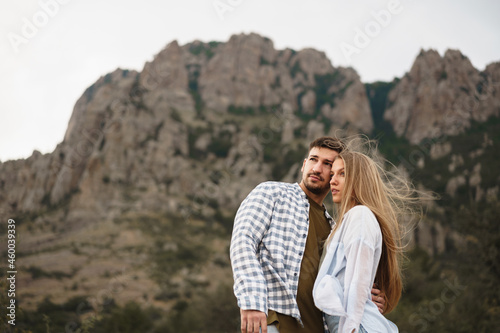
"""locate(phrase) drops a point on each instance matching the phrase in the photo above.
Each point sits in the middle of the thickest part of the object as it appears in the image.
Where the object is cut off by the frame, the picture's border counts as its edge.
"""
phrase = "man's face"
(316, 170)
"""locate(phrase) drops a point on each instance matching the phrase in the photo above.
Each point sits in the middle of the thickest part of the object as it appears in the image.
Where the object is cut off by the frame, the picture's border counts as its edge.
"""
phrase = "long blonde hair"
(366, 183)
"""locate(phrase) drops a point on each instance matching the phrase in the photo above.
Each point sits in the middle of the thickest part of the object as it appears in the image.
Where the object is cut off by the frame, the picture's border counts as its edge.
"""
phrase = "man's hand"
(252, 321)
(378, 298)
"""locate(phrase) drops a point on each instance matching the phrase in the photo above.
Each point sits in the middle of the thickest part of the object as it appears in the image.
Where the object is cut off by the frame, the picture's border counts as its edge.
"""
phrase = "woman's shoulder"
(361, 211)
(362, 222)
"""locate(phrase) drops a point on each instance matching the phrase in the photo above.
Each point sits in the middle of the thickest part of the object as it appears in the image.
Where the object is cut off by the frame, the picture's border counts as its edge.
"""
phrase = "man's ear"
(303, 165)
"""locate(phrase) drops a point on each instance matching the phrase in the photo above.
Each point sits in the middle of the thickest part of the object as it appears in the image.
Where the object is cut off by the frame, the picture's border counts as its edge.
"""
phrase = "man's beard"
(315, 188)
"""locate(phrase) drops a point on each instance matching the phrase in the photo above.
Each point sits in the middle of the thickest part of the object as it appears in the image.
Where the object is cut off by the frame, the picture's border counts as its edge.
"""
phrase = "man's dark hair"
(329, 143)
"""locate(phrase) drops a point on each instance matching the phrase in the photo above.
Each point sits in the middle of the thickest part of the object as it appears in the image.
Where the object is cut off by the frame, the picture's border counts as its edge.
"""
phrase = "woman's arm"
(357, 283)
(361, 239)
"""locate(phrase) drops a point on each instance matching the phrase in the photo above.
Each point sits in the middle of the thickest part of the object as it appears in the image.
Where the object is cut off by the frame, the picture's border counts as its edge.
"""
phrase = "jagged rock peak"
(440, 96)
(247, 72)
(167, 70)
(104, 88)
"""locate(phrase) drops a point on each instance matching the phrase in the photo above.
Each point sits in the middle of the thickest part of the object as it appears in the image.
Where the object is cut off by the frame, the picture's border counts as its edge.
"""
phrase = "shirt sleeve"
(358, 284)
(251, 222)
(360, 256)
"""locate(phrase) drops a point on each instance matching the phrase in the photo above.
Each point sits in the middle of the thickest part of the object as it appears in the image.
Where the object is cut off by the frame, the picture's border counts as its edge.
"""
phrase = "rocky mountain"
(142, 128)
(136, 203)
(442, 95)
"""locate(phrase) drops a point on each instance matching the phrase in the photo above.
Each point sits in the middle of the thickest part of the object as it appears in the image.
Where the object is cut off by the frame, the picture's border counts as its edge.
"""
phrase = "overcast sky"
(52, 50)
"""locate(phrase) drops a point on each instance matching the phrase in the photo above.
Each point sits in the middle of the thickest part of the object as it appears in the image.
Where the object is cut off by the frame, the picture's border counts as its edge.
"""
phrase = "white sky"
(44, 71)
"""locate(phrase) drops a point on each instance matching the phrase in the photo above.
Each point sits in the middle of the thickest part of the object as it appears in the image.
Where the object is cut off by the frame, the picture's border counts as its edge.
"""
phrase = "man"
(276, 246)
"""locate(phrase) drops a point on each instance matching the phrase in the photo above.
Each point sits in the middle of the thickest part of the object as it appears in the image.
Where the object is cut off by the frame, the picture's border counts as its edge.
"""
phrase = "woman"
(363, 248)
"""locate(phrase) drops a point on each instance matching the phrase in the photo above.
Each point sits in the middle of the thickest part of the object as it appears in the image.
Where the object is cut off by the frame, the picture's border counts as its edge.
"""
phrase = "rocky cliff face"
(442, 95)
(156, 159)
(135, 128)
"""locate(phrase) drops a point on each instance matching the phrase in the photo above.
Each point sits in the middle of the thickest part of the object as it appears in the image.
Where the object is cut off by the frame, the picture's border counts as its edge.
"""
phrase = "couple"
(277, 244)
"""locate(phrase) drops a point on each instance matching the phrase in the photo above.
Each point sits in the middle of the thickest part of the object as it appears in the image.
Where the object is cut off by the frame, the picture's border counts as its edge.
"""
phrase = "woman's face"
(337, 180)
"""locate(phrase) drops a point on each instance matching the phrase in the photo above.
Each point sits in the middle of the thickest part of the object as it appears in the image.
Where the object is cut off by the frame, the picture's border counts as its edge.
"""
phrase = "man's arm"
(250, 286)
(378, 297)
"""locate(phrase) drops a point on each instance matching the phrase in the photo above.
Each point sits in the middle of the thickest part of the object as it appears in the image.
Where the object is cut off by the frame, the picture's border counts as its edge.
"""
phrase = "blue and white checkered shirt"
(267, 246)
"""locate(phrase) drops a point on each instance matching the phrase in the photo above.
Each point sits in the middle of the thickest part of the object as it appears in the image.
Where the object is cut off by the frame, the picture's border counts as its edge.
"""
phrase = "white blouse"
(346, 276)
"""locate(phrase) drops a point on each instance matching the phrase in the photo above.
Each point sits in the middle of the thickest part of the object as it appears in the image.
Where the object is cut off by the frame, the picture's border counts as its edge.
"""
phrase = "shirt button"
(300, 253)
(295, 274)
(304, 235)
